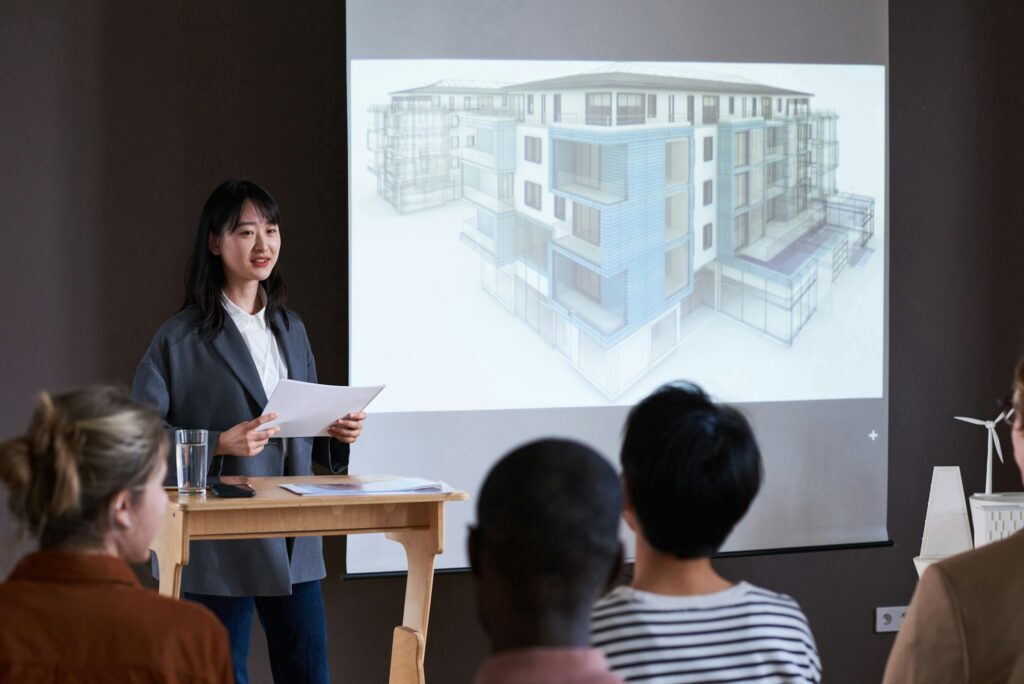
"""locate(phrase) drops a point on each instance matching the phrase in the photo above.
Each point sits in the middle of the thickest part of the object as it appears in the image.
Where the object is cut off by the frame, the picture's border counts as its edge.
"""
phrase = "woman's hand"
(244, 439)
(348, 428)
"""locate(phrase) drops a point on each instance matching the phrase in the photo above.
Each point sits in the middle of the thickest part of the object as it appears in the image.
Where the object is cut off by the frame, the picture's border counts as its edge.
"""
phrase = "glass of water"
(190, 455)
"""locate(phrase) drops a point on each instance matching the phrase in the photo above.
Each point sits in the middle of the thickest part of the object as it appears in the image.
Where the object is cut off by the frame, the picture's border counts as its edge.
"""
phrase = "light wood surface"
(415, 520)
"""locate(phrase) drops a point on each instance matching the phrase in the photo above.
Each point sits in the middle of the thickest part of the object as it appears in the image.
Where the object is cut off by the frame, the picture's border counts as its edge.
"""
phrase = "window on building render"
(586, 223)
(778, 104)
(671, 108)
(677, 215)
(531, 243)
(677, 268)
(532, 150)
(454, 163)
(629, 109)
(742, 190)
(586, 282)
(709, 193)
(689, 109)
(470, 141)
(742, 148)
(599, 109)
(504, 101)
(577, 162)
(741, 231)
(753, 104)
(454, 141)
(677, 161)
(709, 148)
(708, 241)
(652, 106)
(732, 104)
(531, 194)
(466, 101)
(766, 107)
(556, 114)
(559, 208)
(710, 103)
(451, 102)
(529, 104)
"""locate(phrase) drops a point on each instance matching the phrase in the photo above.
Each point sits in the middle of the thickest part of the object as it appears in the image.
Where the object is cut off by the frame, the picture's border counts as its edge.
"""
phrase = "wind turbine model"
(993, 438)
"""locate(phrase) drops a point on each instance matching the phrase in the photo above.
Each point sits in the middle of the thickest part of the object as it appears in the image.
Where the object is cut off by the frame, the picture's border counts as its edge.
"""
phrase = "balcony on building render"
(780, 235)
(579, 247)
(478, 241)
(583, 307)
(596, 300)
(589, 171)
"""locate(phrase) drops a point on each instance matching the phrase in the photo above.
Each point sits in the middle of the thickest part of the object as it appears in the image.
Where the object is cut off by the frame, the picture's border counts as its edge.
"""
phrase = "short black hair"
(691, 469)
(548, 514)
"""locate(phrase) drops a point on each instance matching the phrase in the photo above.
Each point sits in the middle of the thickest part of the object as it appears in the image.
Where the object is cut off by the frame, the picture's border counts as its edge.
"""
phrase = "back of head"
(691, 469)
(81, 448)
(548, 516)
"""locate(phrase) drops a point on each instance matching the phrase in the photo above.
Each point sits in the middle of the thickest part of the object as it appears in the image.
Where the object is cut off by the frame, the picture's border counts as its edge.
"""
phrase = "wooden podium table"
(415, 520)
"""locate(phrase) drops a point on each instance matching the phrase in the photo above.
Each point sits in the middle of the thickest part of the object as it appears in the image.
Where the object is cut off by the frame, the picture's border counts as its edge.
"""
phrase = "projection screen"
(555, 207)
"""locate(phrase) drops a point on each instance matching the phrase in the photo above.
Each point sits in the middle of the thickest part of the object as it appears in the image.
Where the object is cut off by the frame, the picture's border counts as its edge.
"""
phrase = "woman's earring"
(125, 523)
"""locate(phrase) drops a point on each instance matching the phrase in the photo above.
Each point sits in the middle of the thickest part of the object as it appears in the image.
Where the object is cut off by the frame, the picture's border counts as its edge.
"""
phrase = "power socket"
(889, 618)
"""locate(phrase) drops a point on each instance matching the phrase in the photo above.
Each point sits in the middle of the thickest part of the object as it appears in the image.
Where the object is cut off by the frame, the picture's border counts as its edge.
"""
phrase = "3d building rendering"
(614, 210)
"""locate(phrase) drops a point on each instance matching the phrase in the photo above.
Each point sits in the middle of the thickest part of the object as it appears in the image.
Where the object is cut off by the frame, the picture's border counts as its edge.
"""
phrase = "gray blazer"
(215, 385)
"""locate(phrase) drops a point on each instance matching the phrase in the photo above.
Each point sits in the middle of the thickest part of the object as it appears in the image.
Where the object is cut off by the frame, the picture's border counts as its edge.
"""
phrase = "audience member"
(86, 480)
(691, 469)
(965, 622)
(545, 547)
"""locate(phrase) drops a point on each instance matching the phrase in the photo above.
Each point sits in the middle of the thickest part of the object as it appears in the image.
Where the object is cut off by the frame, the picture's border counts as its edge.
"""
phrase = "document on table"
(306, 409)
(390, 485)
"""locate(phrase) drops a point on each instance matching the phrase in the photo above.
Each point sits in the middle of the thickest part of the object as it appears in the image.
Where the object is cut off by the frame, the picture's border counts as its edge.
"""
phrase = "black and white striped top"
(742, 634)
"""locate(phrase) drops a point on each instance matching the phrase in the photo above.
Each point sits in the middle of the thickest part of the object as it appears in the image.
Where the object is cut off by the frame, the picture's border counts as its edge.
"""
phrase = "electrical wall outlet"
(889, 618)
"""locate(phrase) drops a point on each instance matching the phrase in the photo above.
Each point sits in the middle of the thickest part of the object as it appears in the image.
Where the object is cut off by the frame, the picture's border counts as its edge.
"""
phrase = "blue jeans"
(295, 627)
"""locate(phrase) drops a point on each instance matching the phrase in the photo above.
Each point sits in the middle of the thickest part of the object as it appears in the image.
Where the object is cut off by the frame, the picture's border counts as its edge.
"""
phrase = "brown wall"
(118, 117)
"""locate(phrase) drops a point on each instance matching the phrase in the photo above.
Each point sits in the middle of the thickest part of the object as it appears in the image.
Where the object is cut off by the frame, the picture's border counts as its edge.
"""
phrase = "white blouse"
(260, 340)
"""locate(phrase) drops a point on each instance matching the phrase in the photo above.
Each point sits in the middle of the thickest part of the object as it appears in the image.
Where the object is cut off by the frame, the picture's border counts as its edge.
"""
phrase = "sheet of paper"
(404, 485)
(305, 409)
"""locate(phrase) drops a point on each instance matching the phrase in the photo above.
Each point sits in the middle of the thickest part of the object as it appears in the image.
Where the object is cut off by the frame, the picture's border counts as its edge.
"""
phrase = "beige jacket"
(966, 620)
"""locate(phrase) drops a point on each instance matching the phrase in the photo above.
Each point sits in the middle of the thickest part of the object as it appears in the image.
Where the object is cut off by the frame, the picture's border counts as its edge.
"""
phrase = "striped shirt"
(741, 634)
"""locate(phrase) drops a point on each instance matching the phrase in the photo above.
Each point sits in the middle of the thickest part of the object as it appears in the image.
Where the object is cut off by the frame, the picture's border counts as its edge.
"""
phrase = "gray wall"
(119, 117)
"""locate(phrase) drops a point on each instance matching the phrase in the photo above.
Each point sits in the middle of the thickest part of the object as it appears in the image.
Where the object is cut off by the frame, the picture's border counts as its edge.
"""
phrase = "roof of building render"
(452, 86)
(620, 79)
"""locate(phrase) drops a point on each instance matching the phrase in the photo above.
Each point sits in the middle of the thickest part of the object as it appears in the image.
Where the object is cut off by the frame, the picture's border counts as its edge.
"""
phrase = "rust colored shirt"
(547, 666)
(68, 617)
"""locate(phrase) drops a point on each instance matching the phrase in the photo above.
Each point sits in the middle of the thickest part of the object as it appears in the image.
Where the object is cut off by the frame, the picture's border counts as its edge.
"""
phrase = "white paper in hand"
(305, 409)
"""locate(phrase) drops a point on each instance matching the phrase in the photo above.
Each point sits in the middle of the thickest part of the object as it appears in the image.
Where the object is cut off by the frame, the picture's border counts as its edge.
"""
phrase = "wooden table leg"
(171, 547)
(421, 548)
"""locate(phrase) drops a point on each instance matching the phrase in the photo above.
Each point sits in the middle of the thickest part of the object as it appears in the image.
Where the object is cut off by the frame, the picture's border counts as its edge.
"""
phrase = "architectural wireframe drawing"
(610, 207)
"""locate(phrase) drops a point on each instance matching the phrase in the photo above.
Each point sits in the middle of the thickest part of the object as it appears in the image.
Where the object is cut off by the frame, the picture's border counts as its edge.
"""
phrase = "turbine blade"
(999, 449)
(973, 421)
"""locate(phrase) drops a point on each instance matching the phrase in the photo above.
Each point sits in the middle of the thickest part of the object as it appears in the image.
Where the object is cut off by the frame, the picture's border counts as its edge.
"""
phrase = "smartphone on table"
(232, 491)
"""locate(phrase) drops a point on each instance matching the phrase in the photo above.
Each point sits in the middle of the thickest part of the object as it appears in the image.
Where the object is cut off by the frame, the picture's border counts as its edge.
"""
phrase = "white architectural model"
(609, 206)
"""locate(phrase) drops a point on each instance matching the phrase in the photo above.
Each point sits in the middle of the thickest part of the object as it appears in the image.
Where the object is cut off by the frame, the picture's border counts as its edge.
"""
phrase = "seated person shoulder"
(691, 469)
(86, 480)
(545, 546)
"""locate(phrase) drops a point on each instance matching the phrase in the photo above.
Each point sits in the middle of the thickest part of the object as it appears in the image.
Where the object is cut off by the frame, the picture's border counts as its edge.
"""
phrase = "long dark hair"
(204, 277)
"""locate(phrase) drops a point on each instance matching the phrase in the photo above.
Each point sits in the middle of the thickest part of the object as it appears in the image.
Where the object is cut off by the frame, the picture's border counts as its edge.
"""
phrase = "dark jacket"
(215, 385)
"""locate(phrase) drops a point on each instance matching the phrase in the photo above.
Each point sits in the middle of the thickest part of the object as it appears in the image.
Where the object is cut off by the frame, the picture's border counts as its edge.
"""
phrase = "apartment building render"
(610, 206)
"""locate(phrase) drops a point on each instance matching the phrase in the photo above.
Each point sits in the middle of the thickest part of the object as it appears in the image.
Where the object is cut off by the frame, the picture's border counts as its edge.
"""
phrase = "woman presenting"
(213, 365)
